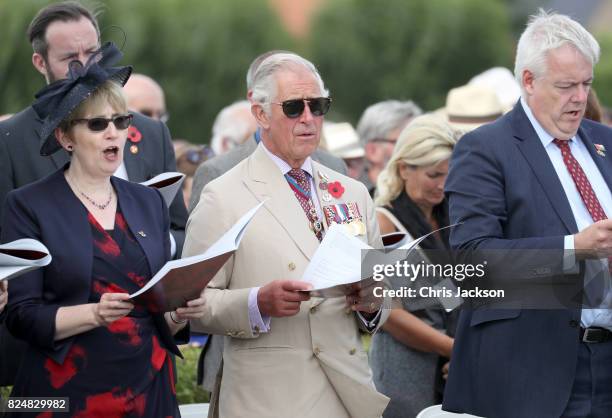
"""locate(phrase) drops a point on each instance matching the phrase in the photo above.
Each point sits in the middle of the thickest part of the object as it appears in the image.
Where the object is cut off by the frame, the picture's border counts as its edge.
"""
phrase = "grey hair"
(257, 62)
(231, 124)
(383, 117)
(548, 31)
(264, 80)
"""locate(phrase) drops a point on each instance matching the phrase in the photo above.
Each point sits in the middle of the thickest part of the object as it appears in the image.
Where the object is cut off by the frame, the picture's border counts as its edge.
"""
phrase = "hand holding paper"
(3, 294)
(282, 297)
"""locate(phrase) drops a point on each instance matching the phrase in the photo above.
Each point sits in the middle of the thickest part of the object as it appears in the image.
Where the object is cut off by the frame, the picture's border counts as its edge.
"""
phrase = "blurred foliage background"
(199, 50)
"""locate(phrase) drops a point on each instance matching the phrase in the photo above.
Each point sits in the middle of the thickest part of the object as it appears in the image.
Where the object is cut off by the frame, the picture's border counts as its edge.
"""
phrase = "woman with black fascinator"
(87, 341)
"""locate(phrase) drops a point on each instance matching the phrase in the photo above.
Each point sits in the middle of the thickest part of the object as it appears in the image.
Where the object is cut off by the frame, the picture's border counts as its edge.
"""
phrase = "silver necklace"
(100, 206)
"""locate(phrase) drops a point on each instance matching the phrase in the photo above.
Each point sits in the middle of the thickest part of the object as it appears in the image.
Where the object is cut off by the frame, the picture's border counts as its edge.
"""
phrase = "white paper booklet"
(179, 281)
(21, 256)
(168, 184)
(336, 264)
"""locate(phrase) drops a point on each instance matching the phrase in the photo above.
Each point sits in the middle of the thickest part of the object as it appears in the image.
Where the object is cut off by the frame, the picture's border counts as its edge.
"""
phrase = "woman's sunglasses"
(100, 124)
(318, 106)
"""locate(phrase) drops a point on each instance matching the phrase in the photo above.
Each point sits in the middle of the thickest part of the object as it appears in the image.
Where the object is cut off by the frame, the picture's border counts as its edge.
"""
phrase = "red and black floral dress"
(119, 370)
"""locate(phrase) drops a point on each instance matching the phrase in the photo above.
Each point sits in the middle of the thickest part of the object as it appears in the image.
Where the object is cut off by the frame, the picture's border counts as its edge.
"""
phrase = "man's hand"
(594, 241)
(3, 294)
(281, 297)
(445, 370)
(362, 298)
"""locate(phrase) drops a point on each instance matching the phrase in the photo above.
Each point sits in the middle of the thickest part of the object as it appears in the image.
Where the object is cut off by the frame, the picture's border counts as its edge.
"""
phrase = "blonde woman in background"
(407, 356)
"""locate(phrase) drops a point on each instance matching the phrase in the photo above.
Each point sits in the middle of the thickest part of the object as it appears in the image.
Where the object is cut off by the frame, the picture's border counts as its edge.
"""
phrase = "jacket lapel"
(531, 147)
(134, 163)
(603, 163)
(137, 223)
(267, 183)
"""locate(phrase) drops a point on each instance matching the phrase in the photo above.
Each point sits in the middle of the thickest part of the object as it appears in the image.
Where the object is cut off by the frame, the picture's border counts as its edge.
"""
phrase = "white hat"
(342, 140)
(502, 81)
(469, 106)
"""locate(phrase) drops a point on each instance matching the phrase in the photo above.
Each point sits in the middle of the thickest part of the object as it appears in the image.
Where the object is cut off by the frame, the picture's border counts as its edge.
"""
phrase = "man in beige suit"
(285, 354)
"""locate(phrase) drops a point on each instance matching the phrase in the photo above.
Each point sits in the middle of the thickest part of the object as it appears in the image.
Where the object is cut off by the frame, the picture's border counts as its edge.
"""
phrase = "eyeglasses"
(195, 156)
(162, 116)
(100, 124)
(318, 106)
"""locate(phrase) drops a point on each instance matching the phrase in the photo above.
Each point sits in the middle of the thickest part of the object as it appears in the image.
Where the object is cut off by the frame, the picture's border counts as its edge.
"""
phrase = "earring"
(69, 147)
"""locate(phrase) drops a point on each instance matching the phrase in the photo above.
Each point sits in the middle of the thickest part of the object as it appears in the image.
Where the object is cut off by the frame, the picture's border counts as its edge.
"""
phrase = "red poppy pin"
(335, 189)
(134, 134)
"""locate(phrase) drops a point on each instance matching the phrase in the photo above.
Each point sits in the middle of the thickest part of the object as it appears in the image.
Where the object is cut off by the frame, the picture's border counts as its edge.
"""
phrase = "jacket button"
(291, 266)
(352, 351)
(573, 323)
(313, 309)
(317, 351)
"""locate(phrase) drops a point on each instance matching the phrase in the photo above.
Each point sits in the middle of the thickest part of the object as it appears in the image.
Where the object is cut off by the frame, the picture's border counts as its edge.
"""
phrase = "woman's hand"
(3, 294)
(193, 310)
(112, 306)
(178, 318)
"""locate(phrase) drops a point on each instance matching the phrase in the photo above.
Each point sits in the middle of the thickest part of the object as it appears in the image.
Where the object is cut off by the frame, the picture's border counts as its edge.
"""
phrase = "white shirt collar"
(282, 164)
(544, 136)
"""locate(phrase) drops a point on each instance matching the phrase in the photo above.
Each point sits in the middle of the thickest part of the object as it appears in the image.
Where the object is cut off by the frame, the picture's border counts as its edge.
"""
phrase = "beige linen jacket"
(308, 365)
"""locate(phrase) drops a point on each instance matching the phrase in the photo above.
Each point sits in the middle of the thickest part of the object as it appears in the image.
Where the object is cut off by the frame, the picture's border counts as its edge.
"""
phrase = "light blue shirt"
(593, 268)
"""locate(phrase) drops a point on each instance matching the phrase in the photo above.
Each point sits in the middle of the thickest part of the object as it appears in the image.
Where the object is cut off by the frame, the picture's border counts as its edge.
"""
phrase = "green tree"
(416, 49)
(198, 50)
(603, 70)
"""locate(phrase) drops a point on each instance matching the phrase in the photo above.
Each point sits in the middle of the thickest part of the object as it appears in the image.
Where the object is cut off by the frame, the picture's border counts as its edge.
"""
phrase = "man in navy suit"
(538, 179)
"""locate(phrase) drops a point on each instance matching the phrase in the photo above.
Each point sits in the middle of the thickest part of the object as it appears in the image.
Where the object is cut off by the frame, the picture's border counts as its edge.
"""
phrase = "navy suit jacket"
(48, 211)
(503, 187)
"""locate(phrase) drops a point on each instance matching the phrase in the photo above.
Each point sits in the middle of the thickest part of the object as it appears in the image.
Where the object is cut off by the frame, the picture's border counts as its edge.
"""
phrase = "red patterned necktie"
(300, 184)
(583, 185)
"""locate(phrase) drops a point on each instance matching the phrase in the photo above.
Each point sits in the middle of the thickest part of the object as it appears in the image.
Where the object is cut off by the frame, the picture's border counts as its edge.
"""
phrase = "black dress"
(119, 370)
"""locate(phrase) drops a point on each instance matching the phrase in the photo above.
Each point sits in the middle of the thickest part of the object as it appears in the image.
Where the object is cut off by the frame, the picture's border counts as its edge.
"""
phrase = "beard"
(51, 76)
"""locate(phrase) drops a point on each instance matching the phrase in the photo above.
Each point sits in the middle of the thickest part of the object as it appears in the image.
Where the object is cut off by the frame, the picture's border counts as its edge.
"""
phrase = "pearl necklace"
(100, 206)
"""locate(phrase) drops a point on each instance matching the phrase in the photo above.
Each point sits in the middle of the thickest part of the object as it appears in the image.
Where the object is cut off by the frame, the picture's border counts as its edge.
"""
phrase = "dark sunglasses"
(318, 106)
(100, 124)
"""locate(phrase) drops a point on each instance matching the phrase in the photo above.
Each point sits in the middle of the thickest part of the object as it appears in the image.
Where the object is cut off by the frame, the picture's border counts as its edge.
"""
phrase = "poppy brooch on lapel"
(333, 189)
(134, 136)
(600, 149)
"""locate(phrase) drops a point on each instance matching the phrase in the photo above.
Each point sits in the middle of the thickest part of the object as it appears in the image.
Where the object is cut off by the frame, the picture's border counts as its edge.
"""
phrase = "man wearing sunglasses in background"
(378, 130)
(60, 33)
(286, 354)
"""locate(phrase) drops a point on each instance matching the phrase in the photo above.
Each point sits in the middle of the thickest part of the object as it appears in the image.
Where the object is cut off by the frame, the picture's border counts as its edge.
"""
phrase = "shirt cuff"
(370, 325)
(258, 323)
(569, 256)
(172, 246)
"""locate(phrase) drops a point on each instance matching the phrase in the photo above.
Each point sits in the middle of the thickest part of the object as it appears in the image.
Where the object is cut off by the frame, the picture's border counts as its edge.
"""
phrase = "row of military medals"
(316, 225)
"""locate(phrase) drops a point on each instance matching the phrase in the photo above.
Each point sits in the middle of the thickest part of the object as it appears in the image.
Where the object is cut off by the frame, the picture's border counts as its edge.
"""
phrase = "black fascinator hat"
(55, 102)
